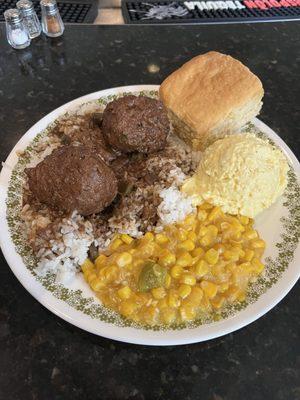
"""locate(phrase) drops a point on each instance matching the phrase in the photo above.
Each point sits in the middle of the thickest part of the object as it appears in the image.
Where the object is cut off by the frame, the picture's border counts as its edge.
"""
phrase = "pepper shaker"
(30, 18)
(51, 20)
(16, 33)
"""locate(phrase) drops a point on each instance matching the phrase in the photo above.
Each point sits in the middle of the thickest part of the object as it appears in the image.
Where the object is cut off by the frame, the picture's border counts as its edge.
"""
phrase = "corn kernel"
(230, 255)
(167, 259)
(198, 252)
(163, 303)
(245, 266)
(223, 287)
(258, 265)
(87, 274)
(214, 214)
(188, 245)
(147, 248)
(192, 236)
(236, 236)
(115, 244)
(149, 236)
(168, 281)
(250, 234)
(202, 215)
(176, 271)
(128, 307)
(91, 276)
(161, 238)
(188, 279)
(195, 296)
(189, 220)
(237, 227)
(217, 302)
(220, 248)
(181, 234)
(138, 263)
(184, 290)
(87, 265)
(97, 284)
(173, 299)
(203, 231)
(158, 293)
(204, 304)
(111, 273)
(185, 259)
(244, 220)
(231, 267)
(232, 293)
(217, 270)
(241, 296)
(187, 313)
(209, 288)
(249, 254)
(225, 226)
(258, 244)
(124, 293)
(150, 314)
(195, 260)
(206, 240)
(100, 261)
(168, 315)
(124, 259)
(126, 238)
(201, 268)
(212, 230)
(241, 253)
(238, 250)
(211, 256)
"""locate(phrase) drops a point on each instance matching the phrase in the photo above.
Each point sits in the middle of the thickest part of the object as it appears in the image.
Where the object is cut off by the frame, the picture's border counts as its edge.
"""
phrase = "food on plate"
(86, 131)
(210, 96)
(162, 231)
(148, 196)
(73, 178)
(242, 174)
(187, 270)
(136, 123)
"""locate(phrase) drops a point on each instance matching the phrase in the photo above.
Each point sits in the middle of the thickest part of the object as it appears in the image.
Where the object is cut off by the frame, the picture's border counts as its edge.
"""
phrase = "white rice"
(66, 254)
(175, 206)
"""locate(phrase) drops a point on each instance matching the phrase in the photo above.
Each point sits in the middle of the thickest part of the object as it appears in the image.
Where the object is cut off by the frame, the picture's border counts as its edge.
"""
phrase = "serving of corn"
(191, 268)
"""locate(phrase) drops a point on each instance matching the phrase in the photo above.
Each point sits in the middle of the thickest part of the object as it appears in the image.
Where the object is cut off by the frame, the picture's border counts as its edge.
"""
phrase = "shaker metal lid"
(25, 6)
(49, 6)
(13, 16)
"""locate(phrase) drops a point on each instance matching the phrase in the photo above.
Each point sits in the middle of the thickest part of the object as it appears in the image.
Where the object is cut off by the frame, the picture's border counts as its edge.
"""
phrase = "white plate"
(268, 224)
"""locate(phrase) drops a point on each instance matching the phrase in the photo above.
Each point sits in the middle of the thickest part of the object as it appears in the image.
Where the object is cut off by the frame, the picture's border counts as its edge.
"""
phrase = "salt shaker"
(16, 33)
(30, 18)
(51, 20)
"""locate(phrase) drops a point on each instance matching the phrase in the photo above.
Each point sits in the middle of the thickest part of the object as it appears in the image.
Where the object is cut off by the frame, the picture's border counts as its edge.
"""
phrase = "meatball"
(134, 123)
(73, 178)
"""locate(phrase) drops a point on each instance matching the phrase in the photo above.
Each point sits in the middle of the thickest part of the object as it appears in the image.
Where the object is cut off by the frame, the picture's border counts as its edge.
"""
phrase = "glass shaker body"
(30, 18)
(52, 23)
(16, 33)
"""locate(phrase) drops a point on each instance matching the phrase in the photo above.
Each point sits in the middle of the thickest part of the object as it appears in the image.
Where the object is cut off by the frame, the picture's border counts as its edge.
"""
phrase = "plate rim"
(105, 329)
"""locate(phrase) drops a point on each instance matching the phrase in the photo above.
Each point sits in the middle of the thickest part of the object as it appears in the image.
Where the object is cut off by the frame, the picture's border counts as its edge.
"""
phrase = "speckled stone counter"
(43, 357)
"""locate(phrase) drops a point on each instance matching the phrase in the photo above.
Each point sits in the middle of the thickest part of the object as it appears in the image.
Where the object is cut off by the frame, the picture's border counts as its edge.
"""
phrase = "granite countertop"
(43, 357)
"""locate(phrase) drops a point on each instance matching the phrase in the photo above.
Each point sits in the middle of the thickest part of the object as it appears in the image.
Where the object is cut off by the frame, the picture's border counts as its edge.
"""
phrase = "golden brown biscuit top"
(206, 88)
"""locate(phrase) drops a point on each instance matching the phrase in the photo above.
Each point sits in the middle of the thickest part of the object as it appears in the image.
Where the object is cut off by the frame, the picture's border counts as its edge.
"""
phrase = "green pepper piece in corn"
(152, 276)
